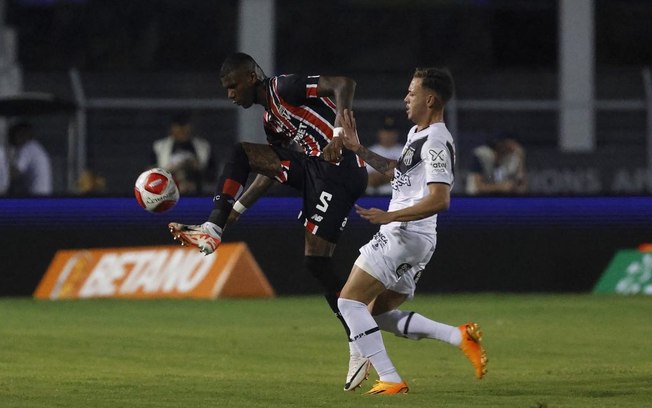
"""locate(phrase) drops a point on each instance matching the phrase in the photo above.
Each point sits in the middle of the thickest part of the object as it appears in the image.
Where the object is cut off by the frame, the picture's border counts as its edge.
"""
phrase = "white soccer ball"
(156, 190)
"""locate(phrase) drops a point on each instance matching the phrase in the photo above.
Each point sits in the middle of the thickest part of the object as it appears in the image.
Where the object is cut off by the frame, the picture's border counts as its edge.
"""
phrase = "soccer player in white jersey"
(390, 264)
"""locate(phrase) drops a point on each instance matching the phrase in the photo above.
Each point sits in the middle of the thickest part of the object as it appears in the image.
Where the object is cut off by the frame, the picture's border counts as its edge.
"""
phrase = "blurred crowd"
(25, 165)
(497, 167)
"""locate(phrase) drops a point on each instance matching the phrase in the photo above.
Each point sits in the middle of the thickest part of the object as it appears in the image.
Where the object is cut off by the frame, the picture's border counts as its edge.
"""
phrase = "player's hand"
(333, 150)
(374, 215)
(350, 134)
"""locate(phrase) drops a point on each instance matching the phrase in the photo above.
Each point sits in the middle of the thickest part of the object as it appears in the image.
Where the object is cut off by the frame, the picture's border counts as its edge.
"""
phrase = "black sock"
(230, 185)
(321, 267)
(222, 205)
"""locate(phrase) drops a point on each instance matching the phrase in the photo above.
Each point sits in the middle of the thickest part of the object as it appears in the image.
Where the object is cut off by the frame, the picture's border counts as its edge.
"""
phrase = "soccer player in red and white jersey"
(389, 266)
(301, 119)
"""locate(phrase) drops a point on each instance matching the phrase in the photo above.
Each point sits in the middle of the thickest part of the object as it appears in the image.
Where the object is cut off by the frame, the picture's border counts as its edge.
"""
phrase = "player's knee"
(318, 266)
(321, 267)
(389, 322)
(238, 152)
(317, 246)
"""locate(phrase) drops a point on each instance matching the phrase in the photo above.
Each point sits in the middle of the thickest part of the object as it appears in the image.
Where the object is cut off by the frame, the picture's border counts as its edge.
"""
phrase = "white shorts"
(396, 256)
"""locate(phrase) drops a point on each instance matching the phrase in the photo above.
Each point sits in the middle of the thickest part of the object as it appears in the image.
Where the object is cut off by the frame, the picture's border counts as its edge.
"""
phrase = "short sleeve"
(311, 86)
(439, 161)
(296, 89)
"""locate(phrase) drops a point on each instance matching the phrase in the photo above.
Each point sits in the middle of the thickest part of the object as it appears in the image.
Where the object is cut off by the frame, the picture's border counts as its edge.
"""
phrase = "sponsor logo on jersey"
(438, 160)
(317, 218)
(438, 156)
(402, 268)
(400, 180)
(301, 132)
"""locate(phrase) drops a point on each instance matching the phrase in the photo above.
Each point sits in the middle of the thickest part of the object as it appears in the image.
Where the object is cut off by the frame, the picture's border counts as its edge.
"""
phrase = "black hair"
(181, 119)
(240, 60)
(500, 137)
(439, 80)
(17, 129)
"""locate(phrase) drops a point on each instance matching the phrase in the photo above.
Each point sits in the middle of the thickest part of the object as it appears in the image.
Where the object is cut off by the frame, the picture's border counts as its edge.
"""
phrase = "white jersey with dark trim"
(428, 157)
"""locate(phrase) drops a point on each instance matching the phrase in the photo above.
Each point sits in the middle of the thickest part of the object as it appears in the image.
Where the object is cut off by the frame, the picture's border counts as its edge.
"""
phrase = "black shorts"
(329, 190)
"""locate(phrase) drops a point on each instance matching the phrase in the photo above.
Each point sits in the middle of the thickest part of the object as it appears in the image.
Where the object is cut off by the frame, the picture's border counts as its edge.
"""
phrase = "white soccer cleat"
(358, 372)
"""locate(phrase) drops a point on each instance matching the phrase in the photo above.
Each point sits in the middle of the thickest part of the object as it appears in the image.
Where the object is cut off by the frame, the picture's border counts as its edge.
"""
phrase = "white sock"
(353, 350)
(416, 327)
(367, 338)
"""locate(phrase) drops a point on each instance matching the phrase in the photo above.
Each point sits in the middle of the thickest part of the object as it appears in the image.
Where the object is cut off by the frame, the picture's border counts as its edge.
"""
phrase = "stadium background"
(130, 65)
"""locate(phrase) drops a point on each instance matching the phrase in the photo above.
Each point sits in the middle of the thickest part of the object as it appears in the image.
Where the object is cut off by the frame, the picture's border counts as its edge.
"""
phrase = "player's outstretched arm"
(256, 189)
(438, 200)
(351, 141)
(341, 89)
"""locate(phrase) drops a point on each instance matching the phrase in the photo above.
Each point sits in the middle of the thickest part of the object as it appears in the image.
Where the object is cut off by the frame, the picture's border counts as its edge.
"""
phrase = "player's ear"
(252, 77)
(433, 101)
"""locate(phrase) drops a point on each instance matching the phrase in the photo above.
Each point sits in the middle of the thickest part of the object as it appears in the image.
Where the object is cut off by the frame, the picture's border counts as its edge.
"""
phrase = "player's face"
(415, 101)
(180, 132)
(240, 86)
(419, 102)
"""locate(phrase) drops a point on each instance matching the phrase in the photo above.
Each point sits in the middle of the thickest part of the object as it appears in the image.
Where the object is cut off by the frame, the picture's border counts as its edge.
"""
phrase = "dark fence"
(485, 244)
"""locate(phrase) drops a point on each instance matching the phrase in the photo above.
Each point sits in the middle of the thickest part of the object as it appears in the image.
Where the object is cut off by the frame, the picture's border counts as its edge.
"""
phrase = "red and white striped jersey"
(295, 113)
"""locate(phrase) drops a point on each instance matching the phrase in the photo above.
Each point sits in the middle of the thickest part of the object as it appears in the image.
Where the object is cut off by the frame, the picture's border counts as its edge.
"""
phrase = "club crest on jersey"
(284, 112)
(274, 124)
(402, 268)
(408, 155)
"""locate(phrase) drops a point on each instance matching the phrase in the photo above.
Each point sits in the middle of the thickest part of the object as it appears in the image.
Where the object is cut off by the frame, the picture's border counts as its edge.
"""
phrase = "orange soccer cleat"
(472, 347)
(388, 388)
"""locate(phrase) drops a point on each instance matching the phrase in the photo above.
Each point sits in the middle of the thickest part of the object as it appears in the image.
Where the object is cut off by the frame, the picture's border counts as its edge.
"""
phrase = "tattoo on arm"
(257, 188)
(262, 159)
(378, 162)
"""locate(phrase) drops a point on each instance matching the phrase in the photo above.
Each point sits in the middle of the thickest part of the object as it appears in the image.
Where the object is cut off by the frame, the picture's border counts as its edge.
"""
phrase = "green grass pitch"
(544, 351)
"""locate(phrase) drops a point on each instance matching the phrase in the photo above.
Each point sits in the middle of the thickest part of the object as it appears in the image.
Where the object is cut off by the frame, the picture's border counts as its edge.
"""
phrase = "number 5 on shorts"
(324, 199)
